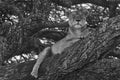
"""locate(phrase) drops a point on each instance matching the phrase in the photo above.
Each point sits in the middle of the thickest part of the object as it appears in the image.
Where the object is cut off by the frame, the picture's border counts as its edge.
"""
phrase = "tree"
(112, 5)
(87, 59)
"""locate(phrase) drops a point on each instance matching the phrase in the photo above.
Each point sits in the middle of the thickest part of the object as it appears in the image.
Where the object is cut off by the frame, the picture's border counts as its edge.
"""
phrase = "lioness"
(77, 30)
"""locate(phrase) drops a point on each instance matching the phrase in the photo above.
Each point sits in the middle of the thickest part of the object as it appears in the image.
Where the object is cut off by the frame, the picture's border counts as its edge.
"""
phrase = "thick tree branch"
(68, 3)
(111, 4)
(86, 50)
(81, 59)
(50, 25)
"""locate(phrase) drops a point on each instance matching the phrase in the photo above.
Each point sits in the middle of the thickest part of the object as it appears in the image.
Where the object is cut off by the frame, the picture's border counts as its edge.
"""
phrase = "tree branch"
(111, 4)
(86, 50)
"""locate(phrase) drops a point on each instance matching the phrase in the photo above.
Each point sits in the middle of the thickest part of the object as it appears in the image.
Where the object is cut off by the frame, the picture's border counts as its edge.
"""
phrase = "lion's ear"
(86, 12)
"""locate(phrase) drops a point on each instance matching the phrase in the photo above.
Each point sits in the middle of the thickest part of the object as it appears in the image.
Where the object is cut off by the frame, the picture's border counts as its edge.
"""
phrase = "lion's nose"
(78, 20)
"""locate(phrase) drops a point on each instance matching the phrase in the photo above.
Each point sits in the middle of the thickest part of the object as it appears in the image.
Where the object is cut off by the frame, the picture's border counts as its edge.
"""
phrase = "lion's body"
(69, 40)
(59, 47)
(77, 30)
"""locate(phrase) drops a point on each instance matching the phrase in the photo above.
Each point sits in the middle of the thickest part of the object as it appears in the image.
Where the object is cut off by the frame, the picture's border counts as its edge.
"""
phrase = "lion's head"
(77, 19)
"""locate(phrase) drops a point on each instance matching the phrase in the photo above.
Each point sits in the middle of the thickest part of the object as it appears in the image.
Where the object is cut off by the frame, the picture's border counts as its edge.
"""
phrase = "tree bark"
(68, 3)
(85, 51)
(82, 60)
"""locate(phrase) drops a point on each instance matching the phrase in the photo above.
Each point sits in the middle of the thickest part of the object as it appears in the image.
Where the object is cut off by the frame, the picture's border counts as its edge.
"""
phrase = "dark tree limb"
(111, 4)
(83, 52)
(81, 58)
(50, 25)
(80, 61)
(68, 3)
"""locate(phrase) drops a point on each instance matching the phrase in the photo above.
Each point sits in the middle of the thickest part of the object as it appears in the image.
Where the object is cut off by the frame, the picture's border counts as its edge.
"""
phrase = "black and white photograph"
(59, 39)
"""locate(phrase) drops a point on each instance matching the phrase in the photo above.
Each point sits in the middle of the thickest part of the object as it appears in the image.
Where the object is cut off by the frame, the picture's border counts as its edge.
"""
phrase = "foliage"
(30, 18)
(24, 24)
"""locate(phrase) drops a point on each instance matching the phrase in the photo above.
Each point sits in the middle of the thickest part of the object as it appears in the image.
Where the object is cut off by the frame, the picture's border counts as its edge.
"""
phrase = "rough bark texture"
(80, 61)
(86, 50)
(3, 49)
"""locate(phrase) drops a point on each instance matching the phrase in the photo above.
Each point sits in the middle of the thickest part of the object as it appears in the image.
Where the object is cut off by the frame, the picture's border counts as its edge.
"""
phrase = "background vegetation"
(28, 26)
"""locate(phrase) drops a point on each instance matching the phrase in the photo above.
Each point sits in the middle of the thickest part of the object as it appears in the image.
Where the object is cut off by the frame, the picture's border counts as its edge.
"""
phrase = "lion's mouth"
(78, 26)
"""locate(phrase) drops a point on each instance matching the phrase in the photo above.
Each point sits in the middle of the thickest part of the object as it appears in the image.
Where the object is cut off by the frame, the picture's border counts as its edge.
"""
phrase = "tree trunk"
(85, 51)
(3, 50)
(82, 60)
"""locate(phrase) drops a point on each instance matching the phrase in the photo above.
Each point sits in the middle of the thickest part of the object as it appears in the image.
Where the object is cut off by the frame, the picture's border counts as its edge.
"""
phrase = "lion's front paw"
(34, 74)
